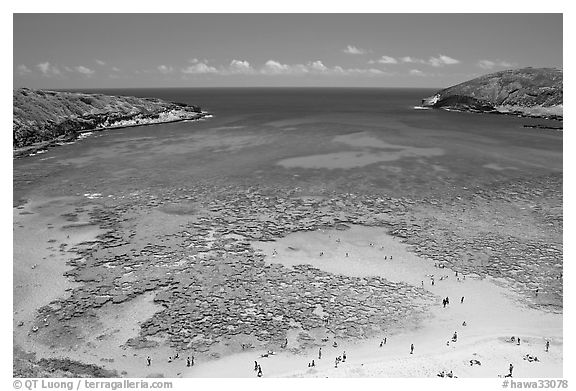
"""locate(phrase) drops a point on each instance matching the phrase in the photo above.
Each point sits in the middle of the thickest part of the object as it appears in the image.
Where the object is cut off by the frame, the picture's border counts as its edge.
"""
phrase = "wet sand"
(42, 237)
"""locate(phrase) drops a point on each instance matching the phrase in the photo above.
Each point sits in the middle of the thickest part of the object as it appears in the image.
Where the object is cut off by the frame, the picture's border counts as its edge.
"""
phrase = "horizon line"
(226, 87)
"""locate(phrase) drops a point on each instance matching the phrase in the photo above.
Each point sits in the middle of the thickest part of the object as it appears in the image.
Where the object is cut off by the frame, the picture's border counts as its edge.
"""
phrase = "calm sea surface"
(344, 139)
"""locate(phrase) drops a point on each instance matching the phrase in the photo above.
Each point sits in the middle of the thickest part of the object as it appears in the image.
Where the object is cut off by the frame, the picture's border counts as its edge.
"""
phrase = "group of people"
(515, 340)
(441, 266)
(189, 360)
(257, 369)
(340, 359)
(444, 374)
(530, 358)
(527, 357)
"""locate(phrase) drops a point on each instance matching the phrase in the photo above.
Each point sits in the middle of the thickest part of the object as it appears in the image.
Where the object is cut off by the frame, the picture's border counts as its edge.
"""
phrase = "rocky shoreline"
(527, 92)
(43, 146)
(44, 119)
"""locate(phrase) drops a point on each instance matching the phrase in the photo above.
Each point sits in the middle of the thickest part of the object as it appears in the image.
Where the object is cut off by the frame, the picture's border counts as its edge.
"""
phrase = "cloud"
(240, 66)
(385, 60)
(44, 67)
(351, 49)
(199, 67)
(409, 59)
(488, 64)
(100, 62)
(442, 60)
(48, 69)
(80, 69)
(318, 66)
(165, 69)
(83, 70)
(416, 72)
(364, 71)
(23, 70)
(116, 69)
(272, 67)
(439, 61)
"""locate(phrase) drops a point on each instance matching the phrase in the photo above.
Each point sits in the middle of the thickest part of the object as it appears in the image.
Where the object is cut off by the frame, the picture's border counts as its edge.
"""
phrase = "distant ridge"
(44, 118)
(532, 92)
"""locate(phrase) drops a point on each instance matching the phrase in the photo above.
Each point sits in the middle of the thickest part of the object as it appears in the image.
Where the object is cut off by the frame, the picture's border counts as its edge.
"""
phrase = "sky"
(241, 50)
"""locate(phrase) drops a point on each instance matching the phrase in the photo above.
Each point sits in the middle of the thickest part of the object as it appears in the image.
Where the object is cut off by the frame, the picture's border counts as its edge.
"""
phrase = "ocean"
(340, 138)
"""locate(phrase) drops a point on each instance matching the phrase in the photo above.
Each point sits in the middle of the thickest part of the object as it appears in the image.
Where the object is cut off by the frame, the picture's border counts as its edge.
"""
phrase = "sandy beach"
(493, 313)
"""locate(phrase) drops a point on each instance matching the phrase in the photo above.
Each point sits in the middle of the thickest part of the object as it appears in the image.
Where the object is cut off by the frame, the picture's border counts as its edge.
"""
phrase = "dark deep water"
(388, 146)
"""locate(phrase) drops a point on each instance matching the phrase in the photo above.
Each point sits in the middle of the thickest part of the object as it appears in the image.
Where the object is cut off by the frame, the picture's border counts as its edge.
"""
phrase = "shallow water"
(347, 140)
(375, 134)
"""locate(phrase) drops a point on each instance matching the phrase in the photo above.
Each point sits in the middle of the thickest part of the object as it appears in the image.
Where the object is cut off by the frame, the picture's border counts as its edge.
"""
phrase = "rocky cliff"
(44, 117)
(531, 92)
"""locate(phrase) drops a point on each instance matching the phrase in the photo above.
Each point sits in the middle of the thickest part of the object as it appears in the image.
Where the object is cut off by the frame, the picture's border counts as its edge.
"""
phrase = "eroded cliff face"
(526, 91)
(44, 116)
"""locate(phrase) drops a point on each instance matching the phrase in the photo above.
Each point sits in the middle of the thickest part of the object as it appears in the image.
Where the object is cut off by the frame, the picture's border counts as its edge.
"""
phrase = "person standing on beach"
(462, 300)
(411, 348)
(344, 356)
(319, 353)
(188, 363)
(313, 363)
(148, 360)
(384, 340)
(381, 342)
(518, 341)
(259, 371)
(511, 368)
(255, 365)
(547, 345)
